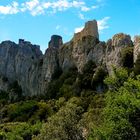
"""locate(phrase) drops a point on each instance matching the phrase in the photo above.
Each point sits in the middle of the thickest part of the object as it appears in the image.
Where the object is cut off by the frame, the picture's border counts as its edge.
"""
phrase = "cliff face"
(24, 62)
(114, 47)
(136, 47)
(16, 61)
(83, 47)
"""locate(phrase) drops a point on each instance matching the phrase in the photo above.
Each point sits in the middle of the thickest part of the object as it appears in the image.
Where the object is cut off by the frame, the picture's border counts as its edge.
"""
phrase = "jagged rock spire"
(56, 41)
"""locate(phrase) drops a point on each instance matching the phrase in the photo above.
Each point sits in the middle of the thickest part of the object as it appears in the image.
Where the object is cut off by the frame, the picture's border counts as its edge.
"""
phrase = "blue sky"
(37, 20)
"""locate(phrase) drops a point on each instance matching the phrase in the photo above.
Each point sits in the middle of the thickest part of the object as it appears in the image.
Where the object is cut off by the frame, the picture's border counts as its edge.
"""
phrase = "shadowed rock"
(56, 41)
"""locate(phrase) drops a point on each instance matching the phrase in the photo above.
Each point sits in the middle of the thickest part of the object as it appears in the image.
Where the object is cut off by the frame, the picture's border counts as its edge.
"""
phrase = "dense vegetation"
(83, 106)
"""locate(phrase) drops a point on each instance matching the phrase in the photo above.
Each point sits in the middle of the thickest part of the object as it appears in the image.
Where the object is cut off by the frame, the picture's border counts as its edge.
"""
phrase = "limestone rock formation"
(56, 41)
(77, 54)
(79, 50)
(136, 47)
(114, 47)
(50, 62)
(16, 61)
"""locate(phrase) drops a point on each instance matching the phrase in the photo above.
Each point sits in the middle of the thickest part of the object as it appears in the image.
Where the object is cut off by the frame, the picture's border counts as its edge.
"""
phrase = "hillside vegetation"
(73, 108)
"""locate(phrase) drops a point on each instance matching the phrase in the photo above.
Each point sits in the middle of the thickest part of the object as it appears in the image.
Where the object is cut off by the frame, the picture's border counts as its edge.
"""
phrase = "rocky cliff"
(25, 63)
(16, 61)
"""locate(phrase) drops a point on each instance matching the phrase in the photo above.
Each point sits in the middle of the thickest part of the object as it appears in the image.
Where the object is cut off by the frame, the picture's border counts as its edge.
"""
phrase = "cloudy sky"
(37, 20)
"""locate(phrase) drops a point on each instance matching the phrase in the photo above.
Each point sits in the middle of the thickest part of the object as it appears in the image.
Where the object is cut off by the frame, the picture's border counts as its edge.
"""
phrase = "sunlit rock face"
(82, 47)
(114, 48)
(16, 61)
(136, 47)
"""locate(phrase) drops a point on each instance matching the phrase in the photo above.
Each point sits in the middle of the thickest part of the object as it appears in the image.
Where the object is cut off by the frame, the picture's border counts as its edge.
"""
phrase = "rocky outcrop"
(114, 48)
(50, 62)
(56, 41)
(136, 47)
(77, 54)
(16, 61)
(82, 47)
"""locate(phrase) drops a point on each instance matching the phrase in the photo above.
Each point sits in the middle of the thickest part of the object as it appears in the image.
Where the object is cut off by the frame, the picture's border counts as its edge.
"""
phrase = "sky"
(37, 20)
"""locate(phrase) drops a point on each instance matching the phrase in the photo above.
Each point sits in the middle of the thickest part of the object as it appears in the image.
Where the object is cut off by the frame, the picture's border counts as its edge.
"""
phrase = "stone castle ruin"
(90, 29)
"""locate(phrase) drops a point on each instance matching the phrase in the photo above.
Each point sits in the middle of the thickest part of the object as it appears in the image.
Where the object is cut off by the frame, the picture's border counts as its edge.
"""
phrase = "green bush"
(121, 112)
(21, 111)
(19, 131)
(64, 124)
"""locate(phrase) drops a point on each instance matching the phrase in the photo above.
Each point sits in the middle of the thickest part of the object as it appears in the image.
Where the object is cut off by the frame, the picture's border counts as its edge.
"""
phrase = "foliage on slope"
(74, 110)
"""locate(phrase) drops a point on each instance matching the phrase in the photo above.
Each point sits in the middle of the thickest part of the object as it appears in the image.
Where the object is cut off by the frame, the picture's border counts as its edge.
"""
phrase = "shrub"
(121, 111)
(19, 131)
(64, 124)
(21, 111)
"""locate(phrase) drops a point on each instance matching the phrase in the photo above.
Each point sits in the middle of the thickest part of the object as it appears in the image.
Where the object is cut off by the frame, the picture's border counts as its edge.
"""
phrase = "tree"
(64, 124)
(121, 113)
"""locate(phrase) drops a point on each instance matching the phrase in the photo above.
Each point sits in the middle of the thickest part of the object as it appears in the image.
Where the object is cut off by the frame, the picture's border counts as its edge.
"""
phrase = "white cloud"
(46, 5)
(31, 4)
(37, 7)
(81, 16)
(57, 27)
(95, 6)
(85, 9)
(102, 24)
(79, 29)
(9, 9)
(34, 6)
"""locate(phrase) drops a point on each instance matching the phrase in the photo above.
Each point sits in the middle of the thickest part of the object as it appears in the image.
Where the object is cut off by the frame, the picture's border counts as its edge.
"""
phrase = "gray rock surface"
(55, 42)
(136, 47)
(114, 48)
(16, 61)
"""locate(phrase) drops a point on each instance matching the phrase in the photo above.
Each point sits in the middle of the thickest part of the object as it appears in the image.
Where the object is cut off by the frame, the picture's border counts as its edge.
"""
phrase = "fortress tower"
(90, 29)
